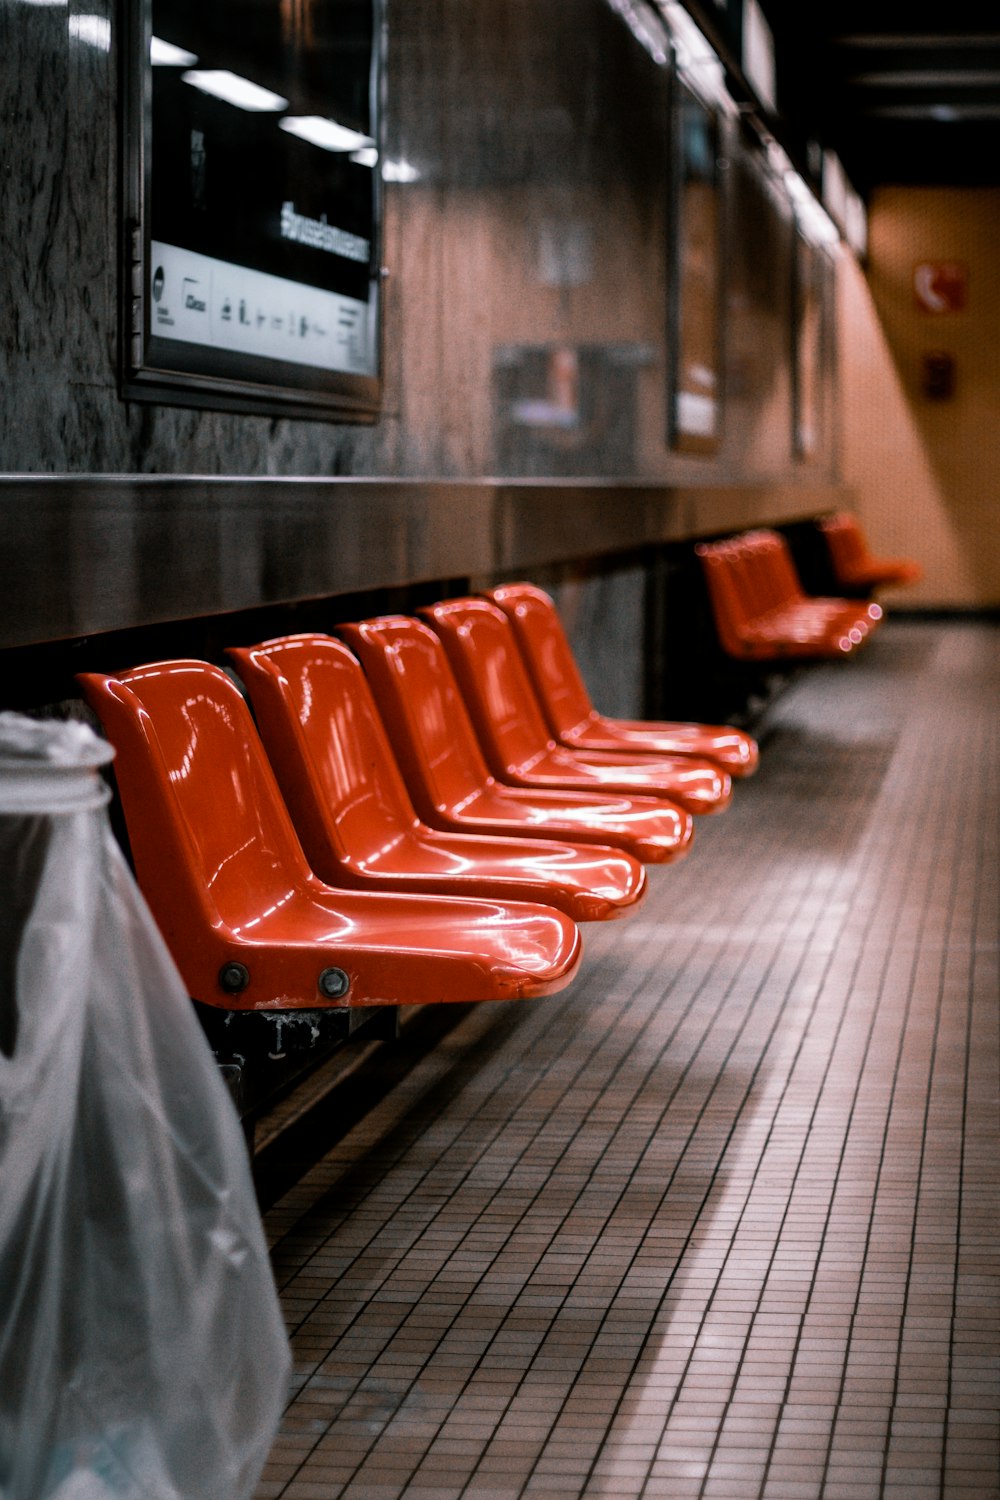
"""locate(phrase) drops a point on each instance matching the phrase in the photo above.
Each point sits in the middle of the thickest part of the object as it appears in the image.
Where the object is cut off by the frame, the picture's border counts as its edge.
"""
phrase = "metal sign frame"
(333, 370)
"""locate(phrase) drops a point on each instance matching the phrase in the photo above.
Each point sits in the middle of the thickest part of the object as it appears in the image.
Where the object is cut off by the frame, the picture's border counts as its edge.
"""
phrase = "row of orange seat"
(761, 611)
(425, 820)
(858, 570)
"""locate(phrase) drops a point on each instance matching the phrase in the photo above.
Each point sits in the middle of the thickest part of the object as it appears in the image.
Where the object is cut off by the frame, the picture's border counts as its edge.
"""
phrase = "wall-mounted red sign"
(940, 286)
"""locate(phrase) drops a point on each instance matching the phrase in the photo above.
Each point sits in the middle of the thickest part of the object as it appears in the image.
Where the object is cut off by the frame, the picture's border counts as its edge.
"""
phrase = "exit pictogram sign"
(940, 286)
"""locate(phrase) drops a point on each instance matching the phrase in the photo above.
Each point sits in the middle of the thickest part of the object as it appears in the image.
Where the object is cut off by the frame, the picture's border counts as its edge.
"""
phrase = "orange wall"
(926, 473)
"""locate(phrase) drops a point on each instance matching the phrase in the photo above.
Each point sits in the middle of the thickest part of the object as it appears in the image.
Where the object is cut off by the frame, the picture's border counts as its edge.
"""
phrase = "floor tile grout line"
(873, 1021)
(963, 814)
(610, 1423)
(849, 1339)
(500, 1127)
(663, 1049)
(905, 894)
(868, 926)
(594, 1049)
(460, 1243)
(692, 947)
(982, 833)
(804, 1034)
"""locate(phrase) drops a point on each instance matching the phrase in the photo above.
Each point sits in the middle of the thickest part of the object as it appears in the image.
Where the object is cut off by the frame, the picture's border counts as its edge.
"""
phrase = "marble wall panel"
(605, 619)
(758, 320)
(525, 307)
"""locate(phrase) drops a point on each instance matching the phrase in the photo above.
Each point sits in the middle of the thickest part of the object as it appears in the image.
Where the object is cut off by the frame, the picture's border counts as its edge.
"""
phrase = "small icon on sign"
(158, 280)
(261, 317)
(227, 310)
(303, 327)
(193, 301)
(940, 286)
(243, 311)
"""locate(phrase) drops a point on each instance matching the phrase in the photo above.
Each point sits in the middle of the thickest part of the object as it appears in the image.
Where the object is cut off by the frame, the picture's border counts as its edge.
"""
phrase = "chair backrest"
(481, 647)
(787, 573)
(547, 654)
(728, 608)
(778, 579)
(748, 569)
(200, 799)
(846, 541)
(422, 708)
(328, 748)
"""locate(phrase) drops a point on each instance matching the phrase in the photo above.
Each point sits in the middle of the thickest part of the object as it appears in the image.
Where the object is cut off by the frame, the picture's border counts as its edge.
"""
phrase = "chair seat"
(731, 750)
(592, 884)
(761, 612)
(854, 566)
(654, 831)
(249, 925)
(339, 779)
(569, 713)
(483, 654)
(694, 785)
(402, 949)
(447, 775)
(882, 572)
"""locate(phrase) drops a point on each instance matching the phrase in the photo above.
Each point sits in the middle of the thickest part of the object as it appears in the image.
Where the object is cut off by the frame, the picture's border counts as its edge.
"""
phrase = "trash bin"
(142, 1351)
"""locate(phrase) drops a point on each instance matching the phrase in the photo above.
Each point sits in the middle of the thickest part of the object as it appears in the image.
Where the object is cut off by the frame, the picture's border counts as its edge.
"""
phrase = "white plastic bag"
(142, 1352)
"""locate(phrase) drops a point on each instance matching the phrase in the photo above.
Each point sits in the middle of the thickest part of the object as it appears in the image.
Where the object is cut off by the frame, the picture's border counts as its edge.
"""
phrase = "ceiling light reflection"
(165, 55)
(233, 89)
(399, 171)
(326, 134)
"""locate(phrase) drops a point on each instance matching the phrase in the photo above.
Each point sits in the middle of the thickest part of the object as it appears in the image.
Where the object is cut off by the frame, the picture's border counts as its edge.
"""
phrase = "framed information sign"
(253, 199)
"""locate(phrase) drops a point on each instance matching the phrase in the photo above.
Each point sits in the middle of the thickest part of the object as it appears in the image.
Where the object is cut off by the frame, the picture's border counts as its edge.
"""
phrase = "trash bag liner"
(142, 1351)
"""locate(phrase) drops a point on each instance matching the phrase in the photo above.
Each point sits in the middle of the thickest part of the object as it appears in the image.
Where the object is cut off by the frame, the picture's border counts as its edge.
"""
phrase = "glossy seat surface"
(482, 649)
(769, 564)
(854, 565)
(351, 810)
(226, 879)
(447, 775)
(761, 612)
(570, 715)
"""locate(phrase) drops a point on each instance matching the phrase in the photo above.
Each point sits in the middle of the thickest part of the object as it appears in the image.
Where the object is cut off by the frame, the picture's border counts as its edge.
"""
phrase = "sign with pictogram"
(940, 286)
(252, 205)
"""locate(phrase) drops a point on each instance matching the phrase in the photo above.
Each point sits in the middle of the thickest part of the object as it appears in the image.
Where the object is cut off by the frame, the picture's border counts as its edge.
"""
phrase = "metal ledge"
(84, 554)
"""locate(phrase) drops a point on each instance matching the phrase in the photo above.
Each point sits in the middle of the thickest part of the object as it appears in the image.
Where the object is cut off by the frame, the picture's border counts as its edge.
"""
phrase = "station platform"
(721, 1219)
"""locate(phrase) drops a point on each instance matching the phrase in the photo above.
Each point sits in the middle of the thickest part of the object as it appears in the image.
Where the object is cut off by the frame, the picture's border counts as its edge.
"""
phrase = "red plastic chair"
(358, 828)
(482, 650)
(250, 926)
(760, 611)
(571, 716)
(444, 769)
(772, 560)
(855, 567)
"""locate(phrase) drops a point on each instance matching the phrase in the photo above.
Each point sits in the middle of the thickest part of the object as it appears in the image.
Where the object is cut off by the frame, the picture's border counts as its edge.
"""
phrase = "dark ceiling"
(903, 92)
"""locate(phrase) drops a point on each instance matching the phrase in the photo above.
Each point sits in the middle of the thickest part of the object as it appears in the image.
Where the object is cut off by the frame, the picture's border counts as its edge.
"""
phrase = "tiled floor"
(721, 1219)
